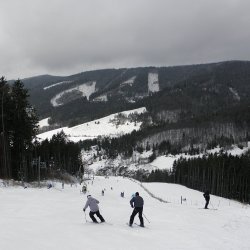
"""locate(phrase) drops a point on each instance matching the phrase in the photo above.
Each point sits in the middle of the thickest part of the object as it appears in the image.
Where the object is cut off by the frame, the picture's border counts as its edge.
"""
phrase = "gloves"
(83, 210)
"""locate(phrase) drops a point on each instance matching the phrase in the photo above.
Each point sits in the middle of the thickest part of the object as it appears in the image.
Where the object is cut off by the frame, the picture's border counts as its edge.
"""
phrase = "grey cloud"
(65, 37)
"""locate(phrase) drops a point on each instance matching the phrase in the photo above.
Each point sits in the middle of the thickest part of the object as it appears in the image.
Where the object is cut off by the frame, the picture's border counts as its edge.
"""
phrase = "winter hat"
(88, 196)
(136, 193)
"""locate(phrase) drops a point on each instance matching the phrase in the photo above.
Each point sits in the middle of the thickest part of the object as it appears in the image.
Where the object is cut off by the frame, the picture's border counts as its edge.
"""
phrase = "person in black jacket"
(207, 198)
(137, 203)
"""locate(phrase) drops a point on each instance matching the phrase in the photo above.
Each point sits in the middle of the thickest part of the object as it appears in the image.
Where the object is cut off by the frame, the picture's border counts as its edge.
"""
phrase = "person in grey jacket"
(137, 203)
(92, 203)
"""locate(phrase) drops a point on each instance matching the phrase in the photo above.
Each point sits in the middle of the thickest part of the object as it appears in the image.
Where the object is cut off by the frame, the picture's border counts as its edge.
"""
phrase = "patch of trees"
(224, 175)
(17, 129)
(58, 155)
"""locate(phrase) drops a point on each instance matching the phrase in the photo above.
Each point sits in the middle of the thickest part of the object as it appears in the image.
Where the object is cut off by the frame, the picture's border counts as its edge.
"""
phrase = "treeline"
(127, 144)
(224, 175)
(17, 130)
(111, 147)
(57, 156)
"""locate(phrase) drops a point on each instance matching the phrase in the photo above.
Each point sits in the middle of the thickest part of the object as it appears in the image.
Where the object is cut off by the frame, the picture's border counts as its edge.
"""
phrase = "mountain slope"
(186, 104)
(125, 86)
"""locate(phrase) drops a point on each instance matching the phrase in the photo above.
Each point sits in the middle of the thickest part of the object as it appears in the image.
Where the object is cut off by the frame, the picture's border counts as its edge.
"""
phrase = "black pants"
(207, 201)
(135, 211)
(91, 215)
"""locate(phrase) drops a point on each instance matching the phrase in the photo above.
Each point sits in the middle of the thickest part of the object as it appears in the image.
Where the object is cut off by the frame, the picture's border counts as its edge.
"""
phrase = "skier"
(137, 203)
(102, 192)
(84, 189)
(207, 198)
(94, 209)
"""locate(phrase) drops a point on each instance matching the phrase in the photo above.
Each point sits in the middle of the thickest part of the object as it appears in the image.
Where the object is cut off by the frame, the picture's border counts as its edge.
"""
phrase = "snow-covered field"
(43, 218)
(95, 128)
(44, 122)
(166, 161)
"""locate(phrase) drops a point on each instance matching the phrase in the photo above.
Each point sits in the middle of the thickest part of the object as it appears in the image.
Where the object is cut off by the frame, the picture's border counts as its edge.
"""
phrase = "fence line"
(151, 194)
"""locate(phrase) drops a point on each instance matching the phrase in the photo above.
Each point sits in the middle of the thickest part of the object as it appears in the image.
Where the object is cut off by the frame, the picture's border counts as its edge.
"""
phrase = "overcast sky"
(63, 37)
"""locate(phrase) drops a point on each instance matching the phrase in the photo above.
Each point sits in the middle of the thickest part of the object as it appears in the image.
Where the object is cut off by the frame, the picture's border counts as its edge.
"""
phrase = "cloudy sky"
(63, 37)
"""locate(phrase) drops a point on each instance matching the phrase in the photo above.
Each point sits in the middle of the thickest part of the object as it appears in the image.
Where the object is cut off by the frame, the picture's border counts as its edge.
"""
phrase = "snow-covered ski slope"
(100, 127)
(56, 84)
(153, 82)
(53, 219)
(86, 89)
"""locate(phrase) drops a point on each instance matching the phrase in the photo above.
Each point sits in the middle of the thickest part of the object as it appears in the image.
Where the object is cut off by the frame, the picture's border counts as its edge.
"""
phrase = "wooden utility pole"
(39, 171)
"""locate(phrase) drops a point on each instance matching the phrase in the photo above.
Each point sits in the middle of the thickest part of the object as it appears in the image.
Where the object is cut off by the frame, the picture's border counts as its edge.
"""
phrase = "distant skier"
(94, 209)
(84, 189)
(102, 192)
(207, 198)
(122, 194)
(137, 203)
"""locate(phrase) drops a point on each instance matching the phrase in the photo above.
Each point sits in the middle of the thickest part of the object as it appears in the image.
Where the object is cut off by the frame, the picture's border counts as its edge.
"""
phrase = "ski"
(208, 208)
(129, 225)
(104, 223)
(139, 225)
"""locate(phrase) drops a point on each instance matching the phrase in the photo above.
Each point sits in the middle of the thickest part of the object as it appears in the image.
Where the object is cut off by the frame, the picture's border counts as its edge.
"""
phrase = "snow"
(101, 98)
(99, 127)
(44, 122)
(86, 89)
(235, 94)
(56, 84)
(49, 219)
(129, 82)
(153, 82)
(140, 161)
(166, 161)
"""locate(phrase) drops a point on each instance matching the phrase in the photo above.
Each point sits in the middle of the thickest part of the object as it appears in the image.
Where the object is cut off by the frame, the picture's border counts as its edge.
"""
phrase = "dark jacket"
(206, 196)
(137, 201)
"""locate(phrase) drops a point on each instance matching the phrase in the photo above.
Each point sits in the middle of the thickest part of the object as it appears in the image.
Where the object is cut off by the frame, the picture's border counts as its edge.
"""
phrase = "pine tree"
(22, 130)
(4, 146)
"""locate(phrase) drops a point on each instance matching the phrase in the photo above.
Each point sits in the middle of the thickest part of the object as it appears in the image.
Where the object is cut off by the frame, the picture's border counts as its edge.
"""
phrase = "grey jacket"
(137, 200)
(92, 203)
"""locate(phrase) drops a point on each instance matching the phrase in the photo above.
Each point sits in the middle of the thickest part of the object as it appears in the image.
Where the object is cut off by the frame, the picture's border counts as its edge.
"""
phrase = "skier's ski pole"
(85, 217)
(146, 217)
